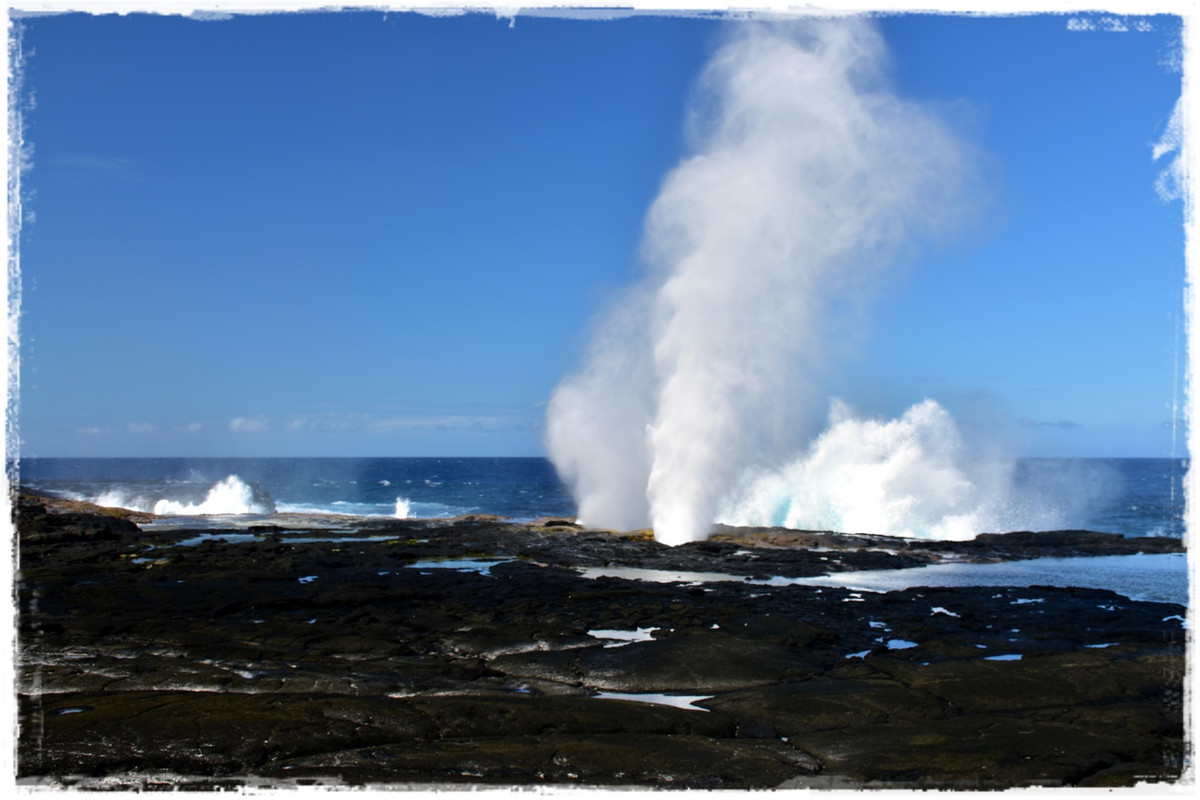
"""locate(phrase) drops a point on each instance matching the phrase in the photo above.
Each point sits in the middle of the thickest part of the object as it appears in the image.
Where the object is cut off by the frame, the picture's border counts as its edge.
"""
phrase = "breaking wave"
(911, 477)
(403, 508)
(230, 496)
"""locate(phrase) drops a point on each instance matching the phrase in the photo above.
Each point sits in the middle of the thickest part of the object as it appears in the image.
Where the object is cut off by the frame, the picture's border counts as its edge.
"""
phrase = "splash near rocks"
(229, 496)
(403, 508)
(909, 477)
(808, 179)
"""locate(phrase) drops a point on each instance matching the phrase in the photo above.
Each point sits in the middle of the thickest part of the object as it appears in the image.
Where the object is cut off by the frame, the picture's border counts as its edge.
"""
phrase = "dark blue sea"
(521, 488)
(1134, 497)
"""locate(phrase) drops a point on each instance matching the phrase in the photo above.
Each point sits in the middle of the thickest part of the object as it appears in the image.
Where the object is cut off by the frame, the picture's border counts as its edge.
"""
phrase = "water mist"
(806, 180)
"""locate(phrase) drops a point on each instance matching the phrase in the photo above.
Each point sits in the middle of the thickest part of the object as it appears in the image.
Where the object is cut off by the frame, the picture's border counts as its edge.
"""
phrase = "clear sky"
(361, 233)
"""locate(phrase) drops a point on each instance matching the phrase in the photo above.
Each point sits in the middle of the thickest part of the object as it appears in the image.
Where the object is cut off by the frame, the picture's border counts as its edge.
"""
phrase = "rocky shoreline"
(478, 651)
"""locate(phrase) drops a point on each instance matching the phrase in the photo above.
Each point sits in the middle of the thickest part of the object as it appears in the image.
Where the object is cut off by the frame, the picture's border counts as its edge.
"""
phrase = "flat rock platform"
(482, 652)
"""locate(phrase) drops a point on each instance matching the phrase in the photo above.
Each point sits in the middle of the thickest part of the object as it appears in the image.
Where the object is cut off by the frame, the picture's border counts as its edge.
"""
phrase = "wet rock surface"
(478, 651)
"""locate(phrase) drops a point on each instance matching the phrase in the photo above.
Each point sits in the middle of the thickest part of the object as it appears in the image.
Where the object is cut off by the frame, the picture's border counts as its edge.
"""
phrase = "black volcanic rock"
(1027, 544)
(149, 664)
(37, 524)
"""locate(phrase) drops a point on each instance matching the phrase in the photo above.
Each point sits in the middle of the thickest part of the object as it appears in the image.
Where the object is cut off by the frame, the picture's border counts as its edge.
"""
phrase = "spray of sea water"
(702, 394)
(230, 495)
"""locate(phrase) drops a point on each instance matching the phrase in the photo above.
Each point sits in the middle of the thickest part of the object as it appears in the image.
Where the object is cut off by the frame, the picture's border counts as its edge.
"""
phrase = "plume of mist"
(808, 178)
(596, 419)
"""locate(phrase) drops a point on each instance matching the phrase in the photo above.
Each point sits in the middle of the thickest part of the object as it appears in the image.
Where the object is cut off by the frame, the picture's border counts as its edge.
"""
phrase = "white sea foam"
(230, 496)
(400, 508)
(909, 477)
(308, 508)
(403, 508)
(120, 498)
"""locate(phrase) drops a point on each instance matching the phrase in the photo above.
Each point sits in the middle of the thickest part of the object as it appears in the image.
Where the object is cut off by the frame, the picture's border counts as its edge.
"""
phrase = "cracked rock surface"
(477, 651)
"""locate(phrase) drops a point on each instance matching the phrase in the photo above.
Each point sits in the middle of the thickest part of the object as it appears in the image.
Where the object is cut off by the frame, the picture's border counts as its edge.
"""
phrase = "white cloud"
(250, 424)
(421, 420)
(141, 427)
(318, 423)
(452, 423)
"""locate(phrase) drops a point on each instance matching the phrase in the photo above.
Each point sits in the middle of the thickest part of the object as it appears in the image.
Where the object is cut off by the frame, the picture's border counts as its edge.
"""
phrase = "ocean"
(1134, 497)
(520, 488)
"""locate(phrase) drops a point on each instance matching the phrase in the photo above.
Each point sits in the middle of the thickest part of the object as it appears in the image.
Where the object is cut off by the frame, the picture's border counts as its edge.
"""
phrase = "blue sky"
(385, 234)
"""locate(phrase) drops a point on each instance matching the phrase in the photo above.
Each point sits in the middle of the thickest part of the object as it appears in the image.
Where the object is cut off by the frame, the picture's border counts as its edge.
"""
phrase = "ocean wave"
(403, 509)
(908, 477)
(400, 508)
(229, 496)
(169, 497)
(339, 507)
(119, 498)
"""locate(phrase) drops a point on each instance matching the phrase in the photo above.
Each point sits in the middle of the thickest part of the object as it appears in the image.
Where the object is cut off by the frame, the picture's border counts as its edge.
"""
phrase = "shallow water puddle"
(900, 644)
(1153, 577)
(73, 710)
(481, 565)
(675, 700)
(621, 638)
(238, 535)
(660, 575)
(226, 538)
